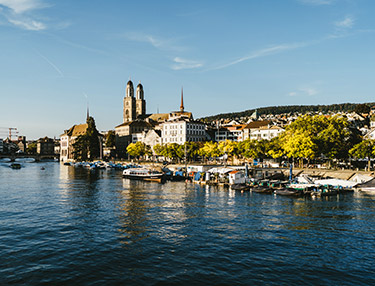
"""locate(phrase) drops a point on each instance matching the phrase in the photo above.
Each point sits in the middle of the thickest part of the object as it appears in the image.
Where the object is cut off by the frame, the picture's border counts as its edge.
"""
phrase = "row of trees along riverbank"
(308, 138)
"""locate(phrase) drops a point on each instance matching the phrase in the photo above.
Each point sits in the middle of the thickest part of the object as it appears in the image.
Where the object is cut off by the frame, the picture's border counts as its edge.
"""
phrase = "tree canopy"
(87, 146)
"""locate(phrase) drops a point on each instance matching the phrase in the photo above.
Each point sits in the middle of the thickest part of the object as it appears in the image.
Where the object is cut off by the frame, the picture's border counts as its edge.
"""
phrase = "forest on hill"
(290, 109)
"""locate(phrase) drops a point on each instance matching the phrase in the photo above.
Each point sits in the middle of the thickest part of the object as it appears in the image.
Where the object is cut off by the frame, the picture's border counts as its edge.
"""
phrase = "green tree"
(362, 108)
(310, 136)
(110, 139)
(93, 139)
(364, 150)
(137, 149)
(274, 148)
(229, 147)
(210, 150)
(80, 148)
(158, 149)
(253, 149)
(31, 148)
(87, 146)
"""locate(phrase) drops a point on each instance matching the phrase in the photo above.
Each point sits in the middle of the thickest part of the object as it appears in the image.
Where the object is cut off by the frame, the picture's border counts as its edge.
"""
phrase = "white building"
(181, 130)
(370, 135)
(68, 138)
(229, 132)
(258, 130)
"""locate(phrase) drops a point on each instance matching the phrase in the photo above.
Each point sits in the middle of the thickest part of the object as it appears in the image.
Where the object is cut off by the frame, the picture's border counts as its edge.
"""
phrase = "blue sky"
(228, 56)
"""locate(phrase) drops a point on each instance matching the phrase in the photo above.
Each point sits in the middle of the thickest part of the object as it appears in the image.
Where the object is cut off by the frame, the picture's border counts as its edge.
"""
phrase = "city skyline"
(228, 56)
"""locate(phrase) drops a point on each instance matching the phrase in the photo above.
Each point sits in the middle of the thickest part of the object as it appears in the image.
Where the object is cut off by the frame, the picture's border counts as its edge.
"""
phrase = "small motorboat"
(262, 189)
(15, 166)
(288, 192)
(240, 187)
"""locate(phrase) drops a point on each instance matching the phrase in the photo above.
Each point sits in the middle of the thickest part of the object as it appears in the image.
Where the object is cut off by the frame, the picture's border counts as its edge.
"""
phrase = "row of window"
(188, 126)
(179, 139)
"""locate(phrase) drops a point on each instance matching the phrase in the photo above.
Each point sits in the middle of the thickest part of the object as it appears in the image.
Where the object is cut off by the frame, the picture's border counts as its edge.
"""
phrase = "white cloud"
(317, 2)
(181, 63)
(15, 12)
(348, 22)
(304, 92)
(21, 6)
(156, 42)
(28, 24)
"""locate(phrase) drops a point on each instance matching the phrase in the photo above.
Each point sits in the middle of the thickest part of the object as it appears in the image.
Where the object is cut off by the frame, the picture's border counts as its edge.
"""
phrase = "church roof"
(76, 130)
(179, 113)
(159, 116)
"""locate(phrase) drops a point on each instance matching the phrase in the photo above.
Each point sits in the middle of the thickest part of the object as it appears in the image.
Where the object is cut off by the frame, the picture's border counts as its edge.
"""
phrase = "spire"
(182, 100)
(88, 112)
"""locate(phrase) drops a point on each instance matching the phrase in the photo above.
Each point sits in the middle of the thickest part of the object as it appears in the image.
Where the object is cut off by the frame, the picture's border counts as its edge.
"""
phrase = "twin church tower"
(134, 107)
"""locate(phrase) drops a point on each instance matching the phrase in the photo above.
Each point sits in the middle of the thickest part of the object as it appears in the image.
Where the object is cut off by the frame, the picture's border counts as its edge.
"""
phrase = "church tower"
(140, 101)
(129, 103)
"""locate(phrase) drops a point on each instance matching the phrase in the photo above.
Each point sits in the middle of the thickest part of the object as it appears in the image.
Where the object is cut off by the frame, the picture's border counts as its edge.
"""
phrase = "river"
(70, 226)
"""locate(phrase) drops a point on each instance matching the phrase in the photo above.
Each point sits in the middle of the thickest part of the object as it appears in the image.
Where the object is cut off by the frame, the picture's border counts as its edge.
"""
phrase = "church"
(158, 128)
(134, 113)
(134, 107)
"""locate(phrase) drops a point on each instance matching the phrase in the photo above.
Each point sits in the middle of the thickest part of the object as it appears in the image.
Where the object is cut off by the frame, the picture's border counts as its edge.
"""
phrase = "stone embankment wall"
(337, 174)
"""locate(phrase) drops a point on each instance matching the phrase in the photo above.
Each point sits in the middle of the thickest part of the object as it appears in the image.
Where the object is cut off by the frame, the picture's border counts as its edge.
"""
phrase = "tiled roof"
(257, 124)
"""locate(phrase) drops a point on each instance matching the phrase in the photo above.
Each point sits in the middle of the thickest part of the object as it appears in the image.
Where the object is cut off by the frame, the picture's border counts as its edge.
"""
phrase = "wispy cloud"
(18, 13)
(51, 64)
(77, 45)
(264, 52)
(22, 6)
(304, 92)
(181, 63)
(28, 24)
(157, 42)
(317, 2)
(346, 23)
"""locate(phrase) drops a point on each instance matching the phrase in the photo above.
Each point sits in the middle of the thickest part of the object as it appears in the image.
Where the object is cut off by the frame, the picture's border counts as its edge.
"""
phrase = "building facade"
(181, 130)
(67, 140)
(258, 130)
(230, 132)
(45, 146)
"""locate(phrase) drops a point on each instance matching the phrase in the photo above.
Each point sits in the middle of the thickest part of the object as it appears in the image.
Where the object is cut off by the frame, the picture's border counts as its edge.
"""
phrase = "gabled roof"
(257, 124)
(76, 130)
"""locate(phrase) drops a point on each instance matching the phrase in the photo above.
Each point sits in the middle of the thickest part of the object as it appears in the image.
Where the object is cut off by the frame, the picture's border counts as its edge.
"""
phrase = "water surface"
(68, 226)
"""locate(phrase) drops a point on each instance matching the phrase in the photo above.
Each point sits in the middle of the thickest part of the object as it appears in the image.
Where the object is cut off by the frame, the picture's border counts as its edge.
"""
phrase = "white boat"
(367, 187)
(143, 174)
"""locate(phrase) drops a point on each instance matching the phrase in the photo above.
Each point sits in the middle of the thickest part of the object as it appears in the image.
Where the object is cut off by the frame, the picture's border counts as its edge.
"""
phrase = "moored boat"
(289, 192)
(143, 174)
(368, 186)
(240, 187)
(15, 166)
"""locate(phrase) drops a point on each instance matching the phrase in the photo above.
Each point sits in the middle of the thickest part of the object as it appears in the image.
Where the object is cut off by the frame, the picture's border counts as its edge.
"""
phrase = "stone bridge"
(37, 157)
